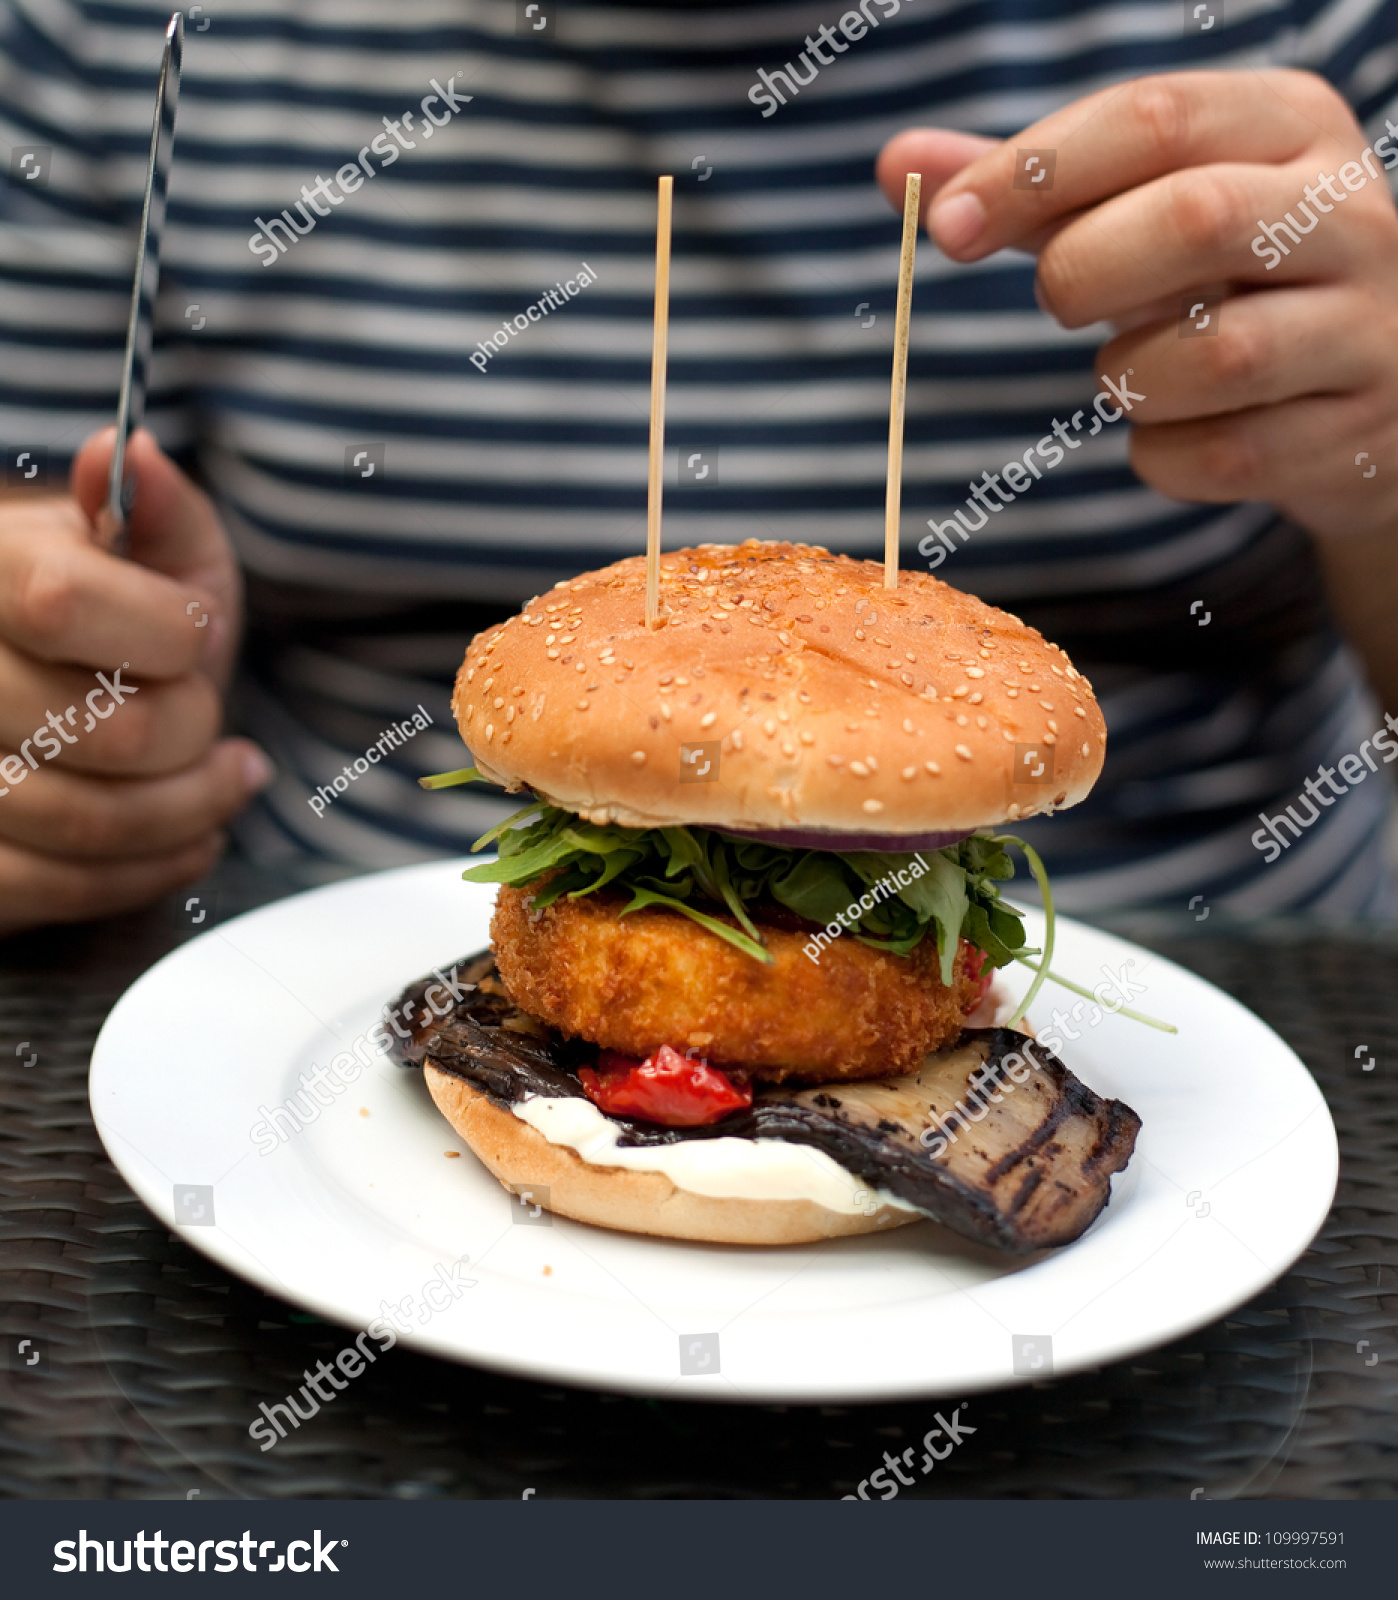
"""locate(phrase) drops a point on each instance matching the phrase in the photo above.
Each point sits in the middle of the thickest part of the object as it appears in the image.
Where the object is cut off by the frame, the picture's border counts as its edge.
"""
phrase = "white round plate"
(376, 1199)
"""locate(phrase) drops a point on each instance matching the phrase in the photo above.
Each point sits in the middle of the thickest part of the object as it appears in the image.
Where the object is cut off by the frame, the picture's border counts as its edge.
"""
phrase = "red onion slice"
(838, 839)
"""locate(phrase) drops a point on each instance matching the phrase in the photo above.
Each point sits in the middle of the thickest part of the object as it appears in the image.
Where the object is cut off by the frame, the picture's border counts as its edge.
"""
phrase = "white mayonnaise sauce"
(722, 1168)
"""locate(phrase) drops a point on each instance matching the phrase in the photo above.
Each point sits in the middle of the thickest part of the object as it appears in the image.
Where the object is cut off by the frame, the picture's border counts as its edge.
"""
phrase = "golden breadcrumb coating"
(654, 977)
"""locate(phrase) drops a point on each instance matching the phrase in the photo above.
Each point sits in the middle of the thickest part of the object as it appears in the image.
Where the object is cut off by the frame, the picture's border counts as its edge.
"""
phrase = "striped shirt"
(368, 203)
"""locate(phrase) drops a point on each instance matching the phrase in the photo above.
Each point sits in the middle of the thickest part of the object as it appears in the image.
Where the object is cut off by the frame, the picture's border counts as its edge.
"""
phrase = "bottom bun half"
(633, 1202)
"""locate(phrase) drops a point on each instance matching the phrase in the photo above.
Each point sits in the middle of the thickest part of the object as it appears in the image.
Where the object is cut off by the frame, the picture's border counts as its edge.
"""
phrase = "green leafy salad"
(952, 893)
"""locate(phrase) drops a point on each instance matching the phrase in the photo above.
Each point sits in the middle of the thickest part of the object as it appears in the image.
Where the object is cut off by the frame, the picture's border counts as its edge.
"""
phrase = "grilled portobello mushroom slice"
(993, 1138)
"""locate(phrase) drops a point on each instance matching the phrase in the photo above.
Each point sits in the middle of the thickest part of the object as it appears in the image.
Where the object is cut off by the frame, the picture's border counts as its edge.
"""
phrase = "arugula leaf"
(950, 894)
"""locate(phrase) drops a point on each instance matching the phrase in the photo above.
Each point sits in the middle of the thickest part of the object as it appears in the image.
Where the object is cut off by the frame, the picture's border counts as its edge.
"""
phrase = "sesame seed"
(708, 719)
(976, 698)
(485, 687)
(470, 673)
(1049, 738)
(1053, 725)
(873, 806)
(1013, 693)
(1079, 712)
(909, 656)
(499, 701)
(470, 712)
(910, 772)
(1033, 688)
(737, 738)
(489, 732)
(907, 724)
(567, 638)
(553, 655)
(506, 736)
(769, 727)
(665, 710)
(975, 672)
(907, 678)
(551, 639)
(960, 690)
(982, 722)
(582, 705)
(682, 682)
(1046, 704)
(963, 752)
(1087, 750)
(580, 667)
(1006, 734)
(669, 677)
(510, 715)
(1012, 810)
(963, 721)
(859, 769)
(806, 738)
(1057, 671)
(933, 768)
(788, 749)
(872, 762)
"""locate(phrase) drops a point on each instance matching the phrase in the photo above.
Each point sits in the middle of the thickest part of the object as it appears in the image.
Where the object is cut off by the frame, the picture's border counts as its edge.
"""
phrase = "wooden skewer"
(893, 503)
(657, 400)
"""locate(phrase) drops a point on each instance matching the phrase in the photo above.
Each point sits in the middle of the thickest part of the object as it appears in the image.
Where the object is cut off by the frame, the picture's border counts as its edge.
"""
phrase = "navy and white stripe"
(492, 486)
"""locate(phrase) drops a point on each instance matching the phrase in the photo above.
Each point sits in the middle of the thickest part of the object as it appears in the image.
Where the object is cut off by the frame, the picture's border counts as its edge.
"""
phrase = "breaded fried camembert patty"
(651, 978)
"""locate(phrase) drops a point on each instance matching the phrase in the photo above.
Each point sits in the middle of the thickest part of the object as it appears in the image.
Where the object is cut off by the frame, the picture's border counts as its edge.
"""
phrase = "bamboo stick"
(893, 501)
(659, 350)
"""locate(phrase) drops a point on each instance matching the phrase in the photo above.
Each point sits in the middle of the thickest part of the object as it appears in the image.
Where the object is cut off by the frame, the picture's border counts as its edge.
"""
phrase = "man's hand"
(1170, 188)
(113, 783)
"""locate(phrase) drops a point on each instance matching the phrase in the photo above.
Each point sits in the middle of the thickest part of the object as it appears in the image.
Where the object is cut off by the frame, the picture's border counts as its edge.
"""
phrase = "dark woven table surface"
(153, 1359)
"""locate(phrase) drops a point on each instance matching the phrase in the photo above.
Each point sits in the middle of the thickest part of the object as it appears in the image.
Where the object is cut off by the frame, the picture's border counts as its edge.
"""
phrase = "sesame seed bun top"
(821, 699)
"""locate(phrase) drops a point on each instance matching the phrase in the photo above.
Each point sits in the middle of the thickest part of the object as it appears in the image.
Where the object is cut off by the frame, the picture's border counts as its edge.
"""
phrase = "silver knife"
(131, 407)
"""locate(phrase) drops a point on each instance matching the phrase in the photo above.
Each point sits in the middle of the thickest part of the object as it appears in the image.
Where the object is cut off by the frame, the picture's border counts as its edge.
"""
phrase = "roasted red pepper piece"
(666, 1087)
(971, 958)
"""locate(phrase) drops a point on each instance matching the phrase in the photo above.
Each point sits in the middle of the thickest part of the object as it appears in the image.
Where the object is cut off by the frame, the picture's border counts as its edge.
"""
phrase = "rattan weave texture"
(153, 1360)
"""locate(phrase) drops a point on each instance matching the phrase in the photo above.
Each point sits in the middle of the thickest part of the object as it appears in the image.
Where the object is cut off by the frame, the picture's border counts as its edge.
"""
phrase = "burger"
(746, 925)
